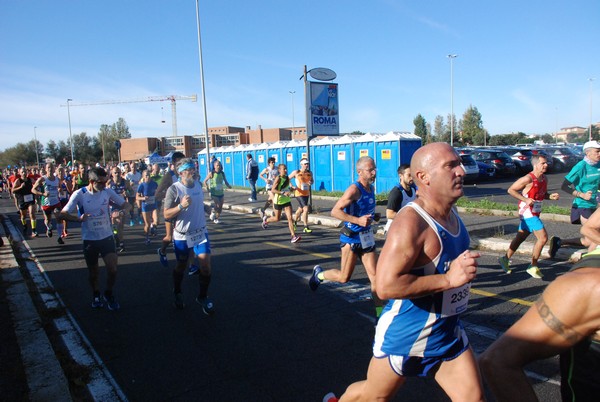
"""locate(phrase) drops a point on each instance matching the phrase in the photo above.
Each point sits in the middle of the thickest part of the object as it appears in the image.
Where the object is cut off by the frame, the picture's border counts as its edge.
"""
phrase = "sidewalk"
(30, 370)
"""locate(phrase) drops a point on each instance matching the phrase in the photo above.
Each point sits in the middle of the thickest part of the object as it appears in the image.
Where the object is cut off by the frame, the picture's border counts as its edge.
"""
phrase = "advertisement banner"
(323, 110)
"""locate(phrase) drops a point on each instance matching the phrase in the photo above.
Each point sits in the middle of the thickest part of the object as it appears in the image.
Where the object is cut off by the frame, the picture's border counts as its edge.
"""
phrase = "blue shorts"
(531, 224)
(148, 207)
(414, 366)
(182, 251)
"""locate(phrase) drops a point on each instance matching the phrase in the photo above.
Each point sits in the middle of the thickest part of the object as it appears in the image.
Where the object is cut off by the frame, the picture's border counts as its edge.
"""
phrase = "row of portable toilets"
(332, 159)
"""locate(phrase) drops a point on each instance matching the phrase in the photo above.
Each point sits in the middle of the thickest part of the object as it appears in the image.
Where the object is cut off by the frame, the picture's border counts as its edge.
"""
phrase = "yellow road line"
(497, 296)
(319, 255)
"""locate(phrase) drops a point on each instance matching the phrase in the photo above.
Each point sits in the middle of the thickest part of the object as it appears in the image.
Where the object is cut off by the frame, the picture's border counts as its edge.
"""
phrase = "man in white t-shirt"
(92, 203)
(134, 177)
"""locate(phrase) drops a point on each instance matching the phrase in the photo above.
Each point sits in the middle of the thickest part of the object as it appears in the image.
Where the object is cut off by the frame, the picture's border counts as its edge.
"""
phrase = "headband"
(186, 166)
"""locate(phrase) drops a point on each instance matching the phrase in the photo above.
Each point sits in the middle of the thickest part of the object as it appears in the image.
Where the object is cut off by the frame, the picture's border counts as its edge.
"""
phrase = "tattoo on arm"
(555, 324)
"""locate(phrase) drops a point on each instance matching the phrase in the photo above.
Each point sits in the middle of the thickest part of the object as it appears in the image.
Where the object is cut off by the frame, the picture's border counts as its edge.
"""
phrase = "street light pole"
(70, 133)
(37, 156)
(452, 57)
(203, 91)
(590, 80)
(293, 117)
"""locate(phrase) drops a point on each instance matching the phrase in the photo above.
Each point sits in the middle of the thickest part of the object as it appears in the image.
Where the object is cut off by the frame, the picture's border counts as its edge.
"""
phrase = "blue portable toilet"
(293, 152)
(387, 160)
(364, 145)
(262, 155)
(275, 150)
(202, 162)
(321, 163)
(342, 161)
(227, 162)
(409, 143)
(239, 165)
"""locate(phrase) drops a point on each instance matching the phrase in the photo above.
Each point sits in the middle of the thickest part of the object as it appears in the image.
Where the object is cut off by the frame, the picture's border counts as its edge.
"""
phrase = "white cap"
(591, 144)
(304, 161)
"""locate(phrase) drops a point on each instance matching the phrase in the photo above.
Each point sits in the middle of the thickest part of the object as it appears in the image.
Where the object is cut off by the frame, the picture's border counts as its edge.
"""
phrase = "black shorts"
(281, 207)
(302, 200)
(92, 249)
(577, 213)
(358, 249)
(24, 205)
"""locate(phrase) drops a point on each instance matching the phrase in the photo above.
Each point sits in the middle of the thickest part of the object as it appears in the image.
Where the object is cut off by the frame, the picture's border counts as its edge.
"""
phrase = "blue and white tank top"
(365, 205)
(427, 326)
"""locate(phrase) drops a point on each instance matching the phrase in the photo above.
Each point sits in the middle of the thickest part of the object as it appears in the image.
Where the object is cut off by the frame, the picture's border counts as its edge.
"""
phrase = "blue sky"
(524, 64)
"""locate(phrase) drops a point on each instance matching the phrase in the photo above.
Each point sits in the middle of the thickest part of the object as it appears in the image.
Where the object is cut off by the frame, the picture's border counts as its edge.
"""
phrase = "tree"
(439, 128)
(471, 127)
(356, 132)
(421, 127)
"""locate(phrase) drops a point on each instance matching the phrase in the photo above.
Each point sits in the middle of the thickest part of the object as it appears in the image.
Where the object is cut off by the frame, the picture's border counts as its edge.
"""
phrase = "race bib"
(367, 239)
(218, 186)
(455, 300)
(305, 186)
(194, 238)
(99, 223)
(151, 200)
(28, 197)
(536, 207)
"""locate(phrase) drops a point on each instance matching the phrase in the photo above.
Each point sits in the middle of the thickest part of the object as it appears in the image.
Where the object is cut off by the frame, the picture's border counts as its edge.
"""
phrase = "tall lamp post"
(293, 117)
(70, 133)
(452, 57)
(203, 91)
(591, 80)
(37, 156)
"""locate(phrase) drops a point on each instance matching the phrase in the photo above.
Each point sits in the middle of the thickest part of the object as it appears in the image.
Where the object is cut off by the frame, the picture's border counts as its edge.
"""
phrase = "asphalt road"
(271, 339)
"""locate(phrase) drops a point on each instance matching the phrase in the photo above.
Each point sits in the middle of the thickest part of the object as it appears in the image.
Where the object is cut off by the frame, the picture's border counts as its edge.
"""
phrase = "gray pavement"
(24, 375)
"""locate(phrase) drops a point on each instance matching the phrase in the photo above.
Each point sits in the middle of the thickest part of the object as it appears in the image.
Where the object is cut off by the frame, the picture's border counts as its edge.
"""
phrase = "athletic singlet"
(272, 173)
(282, 185)
(148, 189)
(537, 193)
(427, 326)
(216, 184)
(190, 221)
(365, 205)
(303, 180)
(51, 187)
(580, 365)
(24, 194)
(98, 225)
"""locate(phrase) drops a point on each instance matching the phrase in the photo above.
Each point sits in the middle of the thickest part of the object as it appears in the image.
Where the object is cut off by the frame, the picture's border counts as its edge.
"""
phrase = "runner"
(303, 179)
(146, 196)
(156, 176)
(50, 199)
(282, 202)
(25, 200)
(530, 190)
(268, 174)
(214, 182)
(402, 193)
(184, 205)
(134, 177)
(92, 205)
(64, 192)
(356, 209)
(119, 185)
(425, 270)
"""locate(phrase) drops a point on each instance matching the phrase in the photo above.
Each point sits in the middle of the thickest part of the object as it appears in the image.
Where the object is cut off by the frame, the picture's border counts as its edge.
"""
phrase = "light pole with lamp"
(37, 156)
(590, 80)
(293, 117)
(203, 91)
(452, 57)
(70, 133)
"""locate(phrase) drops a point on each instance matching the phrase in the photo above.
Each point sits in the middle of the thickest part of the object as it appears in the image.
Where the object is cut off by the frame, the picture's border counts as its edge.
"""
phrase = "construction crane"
(172, 98)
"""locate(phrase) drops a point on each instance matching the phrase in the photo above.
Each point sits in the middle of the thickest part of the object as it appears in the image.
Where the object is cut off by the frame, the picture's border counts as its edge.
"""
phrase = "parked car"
(500, 160)
(521, 157)
(486, 171)
(563, 157)
(470, 166)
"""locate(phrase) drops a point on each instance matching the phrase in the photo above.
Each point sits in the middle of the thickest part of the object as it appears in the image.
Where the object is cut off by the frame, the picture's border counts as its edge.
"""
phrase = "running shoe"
(178, 302)
(121, 247)
(208, 307)
(534, 272)
(34, 233)
(147, 242)
(250, 199)
(330, 397)
(112, 303)
(216, 221)
(307, 230)
(264, 222)
(131, 222)
(97, 302)
(314, 280)
(163, 258)
(152, 230)
(49, 232)
(60, 240)
(555, 244)
(505, 264)
(194, 270)
(140, 221)
(295, 239)
(212, 216)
